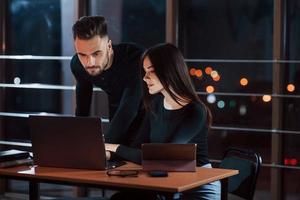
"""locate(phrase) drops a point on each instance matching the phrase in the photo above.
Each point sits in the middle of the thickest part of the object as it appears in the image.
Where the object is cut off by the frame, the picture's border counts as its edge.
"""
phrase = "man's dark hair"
(89, 26)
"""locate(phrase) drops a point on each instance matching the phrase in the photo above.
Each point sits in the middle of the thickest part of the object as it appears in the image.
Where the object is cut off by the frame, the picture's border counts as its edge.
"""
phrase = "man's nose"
(90, 61)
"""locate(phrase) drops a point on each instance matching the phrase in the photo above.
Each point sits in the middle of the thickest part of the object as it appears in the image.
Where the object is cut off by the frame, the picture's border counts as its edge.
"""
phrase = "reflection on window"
(34, 28)
(142, 21)
(226, 29)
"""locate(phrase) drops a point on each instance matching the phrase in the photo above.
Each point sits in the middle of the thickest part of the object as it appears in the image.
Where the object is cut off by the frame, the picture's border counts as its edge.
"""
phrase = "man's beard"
(98, 68)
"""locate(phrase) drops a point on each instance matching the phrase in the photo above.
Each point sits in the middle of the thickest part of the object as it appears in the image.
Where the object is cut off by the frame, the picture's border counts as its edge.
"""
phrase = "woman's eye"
(151, 70)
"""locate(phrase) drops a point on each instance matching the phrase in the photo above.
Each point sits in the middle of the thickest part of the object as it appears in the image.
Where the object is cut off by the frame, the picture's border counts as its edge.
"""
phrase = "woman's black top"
(185, 125)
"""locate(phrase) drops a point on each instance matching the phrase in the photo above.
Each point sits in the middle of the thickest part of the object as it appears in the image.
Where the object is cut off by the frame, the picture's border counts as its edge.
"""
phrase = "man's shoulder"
(127, 57)
(76, 68)
(75, 62)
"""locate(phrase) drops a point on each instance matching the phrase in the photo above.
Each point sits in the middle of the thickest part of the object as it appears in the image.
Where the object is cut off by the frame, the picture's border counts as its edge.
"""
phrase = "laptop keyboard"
(114, 164)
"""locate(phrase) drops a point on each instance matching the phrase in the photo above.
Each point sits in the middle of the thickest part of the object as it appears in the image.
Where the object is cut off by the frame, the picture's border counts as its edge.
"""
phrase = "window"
(228, 46)
(142, 22)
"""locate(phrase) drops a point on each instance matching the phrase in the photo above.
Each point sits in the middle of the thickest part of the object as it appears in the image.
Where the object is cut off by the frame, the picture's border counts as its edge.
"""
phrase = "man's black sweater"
(185, 125)
(123, 84)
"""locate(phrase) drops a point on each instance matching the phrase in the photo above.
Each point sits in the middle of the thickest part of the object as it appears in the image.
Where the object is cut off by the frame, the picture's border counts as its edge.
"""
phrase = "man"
(115, 69)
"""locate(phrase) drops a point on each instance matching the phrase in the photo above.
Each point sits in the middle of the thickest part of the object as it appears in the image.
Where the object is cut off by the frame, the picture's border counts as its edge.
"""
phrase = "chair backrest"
(248, 163)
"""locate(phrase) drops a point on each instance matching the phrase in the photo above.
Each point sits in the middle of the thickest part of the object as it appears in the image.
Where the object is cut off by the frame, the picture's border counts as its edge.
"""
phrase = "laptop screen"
(69, 142)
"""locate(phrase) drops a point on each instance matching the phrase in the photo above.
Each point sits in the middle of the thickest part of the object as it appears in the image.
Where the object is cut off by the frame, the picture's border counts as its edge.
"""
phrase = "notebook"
(68, 142)
(14, 157)
(13, 154)
(169, 157)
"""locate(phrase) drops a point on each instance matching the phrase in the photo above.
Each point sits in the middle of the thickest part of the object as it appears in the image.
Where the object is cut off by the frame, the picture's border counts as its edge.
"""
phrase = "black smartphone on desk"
(158, 173)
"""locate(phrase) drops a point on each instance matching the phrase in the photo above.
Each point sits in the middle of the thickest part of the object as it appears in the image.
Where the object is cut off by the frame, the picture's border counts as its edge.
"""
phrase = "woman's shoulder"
(196, 108)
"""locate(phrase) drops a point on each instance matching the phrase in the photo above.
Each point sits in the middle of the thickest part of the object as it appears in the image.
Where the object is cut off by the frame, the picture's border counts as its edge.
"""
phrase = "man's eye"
(82, 55)
(97, 54)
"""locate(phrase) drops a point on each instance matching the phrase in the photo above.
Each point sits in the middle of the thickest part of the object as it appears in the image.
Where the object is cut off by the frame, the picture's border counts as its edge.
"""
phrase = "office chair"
(248, 163)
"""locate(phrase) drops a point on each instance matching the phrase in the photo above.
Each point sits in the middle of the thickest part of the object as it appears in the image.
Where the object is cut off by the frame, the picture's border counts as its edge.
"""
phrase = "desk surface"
(175, 182)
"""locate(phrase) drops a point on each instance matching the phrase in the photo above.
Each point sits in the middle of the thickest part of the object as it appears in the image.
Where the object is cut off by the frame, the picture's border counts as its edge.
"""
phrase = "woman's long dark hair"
(171, 70)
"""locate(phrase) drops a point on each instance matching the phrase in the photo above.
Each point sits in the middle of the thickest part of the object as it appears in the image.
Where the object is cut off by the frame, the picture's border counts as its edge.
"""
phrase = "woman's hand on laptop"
(107, 155)
(110, 148)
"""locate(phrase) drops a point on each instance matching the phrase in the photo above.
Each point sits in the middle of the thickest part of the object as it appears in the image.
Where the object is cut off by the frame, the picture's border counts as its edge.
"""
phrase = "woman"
(175, 113)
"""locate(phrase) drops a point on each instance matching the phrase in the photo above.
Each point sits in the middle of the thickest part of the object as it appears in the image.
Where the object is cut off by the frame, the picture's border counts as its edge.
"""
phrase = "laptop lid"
(68, 142)
(169, 157)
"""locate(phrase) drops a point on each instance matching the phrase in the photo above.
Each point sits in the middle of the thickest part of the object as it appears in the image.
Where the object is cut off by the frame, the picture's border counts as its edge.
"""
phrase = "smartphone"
(158, 173)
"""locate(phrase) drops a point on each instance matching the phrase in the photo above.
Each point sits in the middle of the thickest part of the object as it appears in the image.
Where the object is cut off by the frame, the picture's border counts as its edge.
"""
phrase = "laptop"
(68, 142)
(169, 157)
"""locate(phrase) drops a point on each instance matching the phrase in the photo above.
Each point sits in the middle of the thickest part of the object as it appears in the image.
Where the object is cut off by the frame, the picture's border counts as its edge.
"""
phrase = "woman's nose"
(146, 76)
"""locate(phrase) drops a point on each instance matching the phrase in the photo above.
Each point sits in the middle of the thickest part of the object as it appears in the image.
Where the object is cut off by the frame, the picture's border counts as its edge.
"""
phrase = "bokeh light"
(266, 98)
(232, 103)
(221, 104)
(243, 110)
(217, 78)
(210, 89)
(17, 80)
(208, 70)
(198, 73)
(244, 81)
(290, 87)
(253, 98)
(214, 74)
(211, 98)
(192, 71)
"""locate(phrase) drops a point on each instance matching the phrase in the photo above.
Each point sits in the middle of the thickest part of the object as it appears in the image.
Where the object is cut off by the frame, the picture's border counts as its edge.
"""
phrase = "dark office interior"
(242, 58)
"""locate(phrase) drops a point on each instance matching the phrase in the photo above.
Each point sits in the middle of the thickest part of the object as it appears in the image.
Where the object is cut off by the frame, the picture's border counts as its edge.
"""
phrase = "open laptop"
(68, 142)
